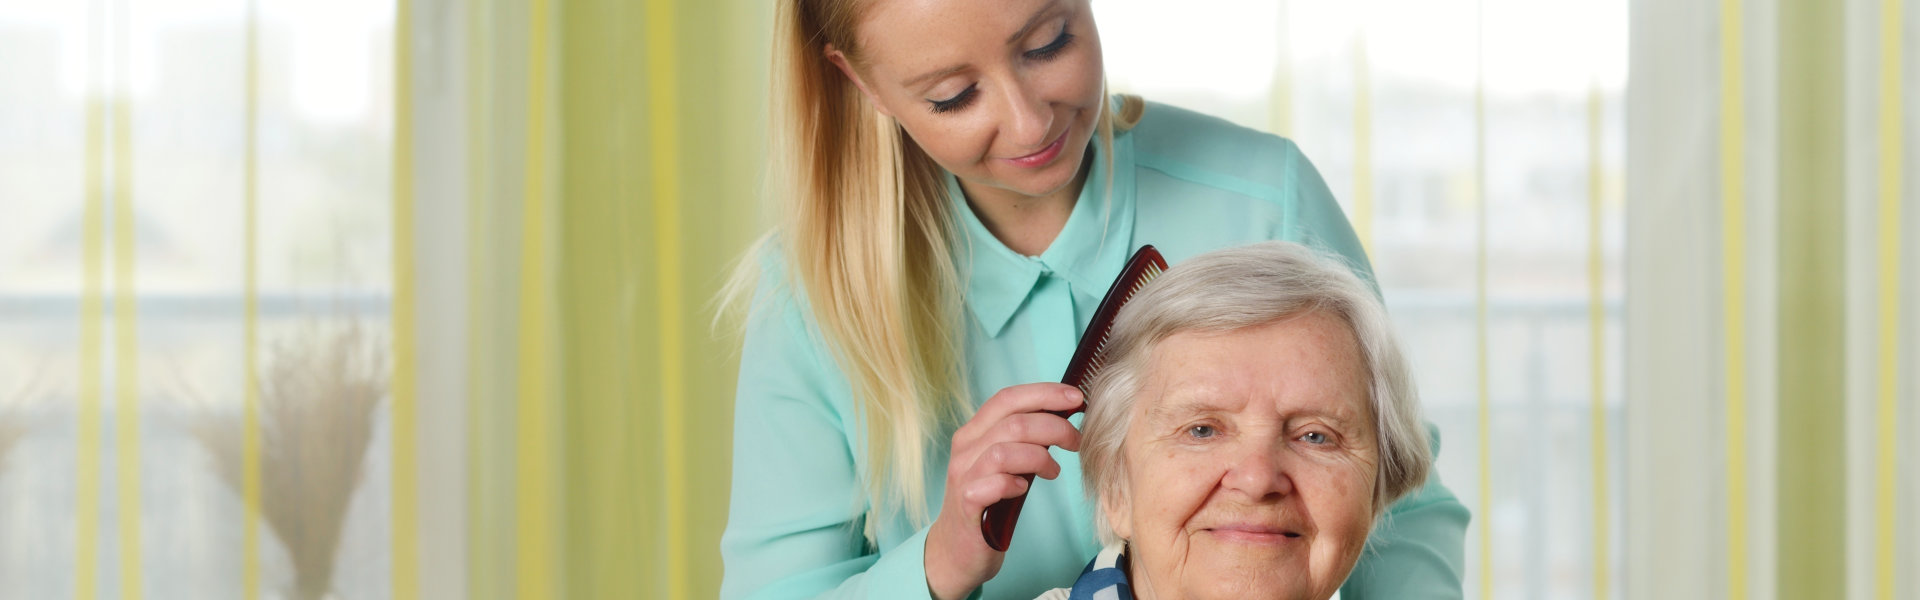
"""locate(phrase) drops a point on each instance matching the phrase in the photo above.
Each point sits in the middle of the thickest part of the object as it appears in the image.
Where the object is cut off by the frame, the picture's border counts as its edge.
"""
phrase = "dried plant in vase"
(318, 396)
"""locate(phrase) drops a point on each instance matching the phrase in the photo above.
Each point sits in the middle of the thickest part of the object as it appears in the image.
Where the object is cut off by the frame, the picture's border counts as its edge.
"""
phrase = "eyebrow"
(1033, 21)
(934, 75)
(1189, 404)
(1178, 407)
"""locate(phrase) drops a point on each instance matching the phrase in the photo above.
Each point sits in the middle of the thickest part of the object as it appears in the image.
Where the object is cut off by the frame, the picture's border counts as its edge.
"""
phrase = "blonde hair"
(868, 233)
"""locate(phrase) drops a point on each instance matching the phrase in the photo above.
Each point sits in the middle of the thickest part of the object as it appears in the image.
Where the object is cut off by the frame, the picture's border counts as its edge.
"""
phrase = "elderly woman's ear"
(1114, 508)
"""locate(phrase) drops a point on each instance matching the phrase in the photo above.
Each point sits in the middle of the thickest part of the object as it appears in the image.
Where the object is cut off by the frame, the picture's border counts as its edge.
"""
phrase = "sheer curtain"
(1882, 218)
(193, 188)
(1770, 299)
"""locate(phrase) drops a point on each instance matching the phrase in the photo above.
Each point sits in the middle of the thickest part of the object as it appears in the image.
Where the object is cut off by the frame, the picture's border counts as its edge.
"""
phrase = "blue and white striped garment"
(1104, 579)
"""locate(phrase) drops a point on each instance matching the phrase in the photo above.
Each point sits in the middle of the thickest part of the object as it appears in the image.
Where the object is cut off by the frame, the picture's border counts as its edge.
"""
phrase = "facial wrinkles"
(1260, 451)
(1171, 540)
(1219, 506)
(1276, 415)
(1260, 412)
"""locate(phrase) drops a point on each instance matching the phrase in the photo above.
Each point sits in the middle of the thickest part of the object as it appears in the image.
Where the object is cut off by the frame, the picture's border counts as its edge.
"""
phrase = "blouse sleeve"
(794, 525)
(1318, 218)
(1418, 549)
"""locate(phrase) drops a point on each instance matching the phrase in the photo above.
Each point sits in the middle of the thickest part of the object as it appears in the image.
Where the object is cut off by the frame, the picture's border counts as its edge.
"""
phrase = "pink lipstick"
(1044, 156)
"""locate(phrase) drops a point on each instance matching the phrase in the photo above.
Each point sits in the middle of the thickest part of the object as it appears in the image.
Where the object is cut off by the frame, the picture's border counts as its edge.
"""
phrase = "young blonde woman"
(959, 191)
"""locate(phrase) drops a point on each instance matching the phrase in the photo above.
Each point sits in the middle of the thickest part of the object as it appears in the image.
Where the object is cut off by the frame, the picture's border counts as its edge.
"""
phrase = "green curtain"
(662, 113)
(616, 165)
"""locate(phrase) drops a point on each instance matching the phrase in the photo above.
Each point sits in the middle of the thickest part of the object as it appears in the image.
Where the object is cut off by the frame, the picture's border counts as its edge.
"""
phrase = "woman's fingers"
(1034, 428)
(1026, 398)
(1032, 397)
(1006, 458)
(1015, 459)
(1016, 416)
(981, 493)
(1038, 430)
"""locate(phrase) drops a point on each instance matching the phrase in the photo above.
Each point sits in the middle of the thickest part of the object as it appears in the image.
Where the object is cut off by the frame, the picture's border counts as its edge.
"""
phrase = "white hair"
(1241, 288)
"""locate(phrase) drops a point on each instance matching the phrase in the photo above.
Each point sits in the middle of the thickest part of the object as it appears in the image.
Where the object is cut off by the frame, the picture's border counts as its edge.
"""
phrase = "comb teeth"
(1144, 266)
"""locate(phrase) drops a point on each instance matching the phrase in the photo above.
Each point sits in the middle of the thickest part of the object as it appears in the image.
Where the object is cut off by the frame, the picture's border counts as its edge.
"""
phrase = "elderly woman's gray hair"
(1241, 288)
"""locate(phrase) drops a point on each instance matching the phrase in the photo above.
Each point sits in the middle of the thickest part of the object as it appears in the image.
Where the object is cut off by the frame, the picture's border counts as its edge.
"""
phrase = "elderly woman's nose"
(1259, 471)
(1029, 121)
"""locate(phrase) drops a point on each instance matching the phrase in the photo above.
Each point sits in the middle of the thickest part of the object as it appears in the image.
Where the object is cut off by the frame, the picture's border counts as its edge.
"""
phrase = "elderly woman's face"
(1250, 463)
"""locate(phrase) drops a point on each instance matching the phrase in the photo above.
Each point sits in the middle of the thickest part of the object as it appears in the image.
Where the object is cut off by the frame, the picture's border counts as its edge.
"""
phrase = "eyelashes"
(1041, 54)
(1052, 48)
(1202, 432)
(957, 102)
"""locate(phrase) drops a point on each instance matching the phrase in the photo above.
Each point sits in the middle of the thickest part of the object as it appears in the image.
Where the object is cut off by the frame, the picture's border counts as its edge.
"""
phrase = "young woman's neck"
(1026, 224)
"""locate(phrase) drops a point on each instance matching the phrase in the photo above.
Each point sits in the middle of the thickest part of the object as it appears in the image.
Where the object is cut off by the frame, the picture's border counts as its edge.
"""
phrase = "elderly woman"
(1254, 420)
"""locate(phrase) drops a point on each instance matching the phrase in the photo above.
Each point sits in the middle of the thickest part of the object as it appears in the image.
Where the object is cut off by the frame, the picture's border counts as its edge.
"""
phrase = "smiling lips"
(1044, 156)
(1254, 533)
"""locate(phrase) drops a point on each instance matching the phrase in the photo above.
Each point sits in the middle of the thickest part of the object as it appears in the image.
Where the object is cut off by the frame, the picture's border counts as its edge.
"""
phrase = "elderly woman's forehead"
(1321, 370)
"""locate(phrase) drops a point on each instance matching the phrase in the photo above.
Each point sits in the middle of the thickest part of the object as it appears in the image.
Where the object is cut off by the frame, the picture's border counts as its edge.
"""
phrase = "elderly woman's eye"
(1314, 437)
(1201, 432)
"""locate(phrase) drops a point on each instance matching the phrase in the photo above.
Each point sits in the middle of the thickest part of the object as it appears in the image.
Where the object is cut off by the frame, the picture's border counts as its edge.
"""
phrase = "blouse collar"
(1089, 252)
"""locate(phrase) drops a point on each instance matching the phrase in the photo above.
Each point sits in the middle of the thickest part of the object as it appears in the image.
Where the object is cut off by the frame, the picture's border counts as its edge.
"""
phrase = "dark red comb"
(996, 524)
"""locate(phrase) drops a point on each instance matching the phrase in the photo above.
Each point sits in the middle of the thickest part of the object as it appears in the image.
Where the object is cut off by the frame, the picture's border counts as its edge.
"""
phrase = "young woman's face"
(1003, 93)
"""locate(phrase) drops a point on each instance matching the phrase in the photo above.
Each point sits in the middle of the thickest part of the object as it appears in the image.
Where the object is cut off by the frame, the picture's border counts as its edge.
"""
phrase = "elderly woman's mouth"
(1253, 533)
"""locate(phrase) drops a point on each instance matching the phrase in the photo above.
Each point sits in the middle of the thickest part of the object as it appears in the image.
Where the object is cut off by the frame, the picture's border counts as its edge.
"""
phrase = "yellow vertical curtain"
(1811, 490)
(664, 127)
(634, 133)
(1890, 212)
(1809, 274)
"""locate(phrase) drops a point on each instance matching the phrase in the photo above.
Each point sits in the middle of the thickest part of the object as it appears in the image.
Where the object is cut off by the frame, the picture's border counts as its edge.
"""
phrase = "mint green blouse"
(1186, 183)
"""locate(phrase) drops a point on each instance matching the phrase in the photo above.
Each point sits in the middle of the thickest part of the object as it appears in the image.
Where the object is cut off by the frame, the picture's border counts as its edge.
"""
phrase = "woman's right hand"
(1008, 437)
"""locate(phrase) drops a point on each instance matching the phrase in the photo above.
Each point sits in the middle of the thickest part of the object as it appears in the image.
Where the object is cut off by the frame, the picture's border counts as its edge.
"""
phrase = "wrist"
(944, 582)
